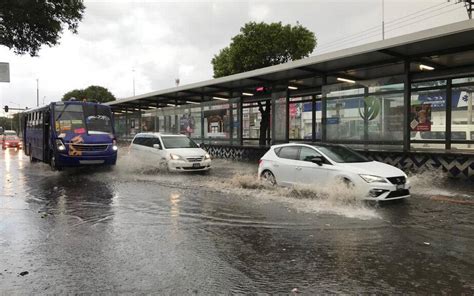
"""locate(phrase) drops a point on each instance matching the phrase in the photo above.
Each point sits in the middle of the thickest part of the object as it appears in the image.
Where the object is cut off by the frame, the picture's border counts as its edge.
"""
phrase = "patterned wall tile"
(459, 166)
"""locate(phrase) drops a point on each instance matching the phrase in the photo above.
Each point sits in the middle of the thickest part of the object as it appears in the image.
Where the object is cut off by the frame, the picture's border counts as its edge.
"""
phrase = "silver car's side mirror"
(157, 146)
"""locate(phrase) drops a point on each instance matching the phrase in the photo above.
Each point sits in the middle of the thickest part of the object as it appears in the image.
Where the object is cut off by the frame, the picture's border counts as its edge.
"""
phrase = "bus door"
(46, 135)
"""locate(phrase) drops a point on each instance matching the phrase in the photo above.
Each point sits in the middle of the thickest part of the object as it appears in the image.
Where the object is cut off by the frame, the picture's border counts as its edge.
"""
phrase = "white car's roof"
(159, 134)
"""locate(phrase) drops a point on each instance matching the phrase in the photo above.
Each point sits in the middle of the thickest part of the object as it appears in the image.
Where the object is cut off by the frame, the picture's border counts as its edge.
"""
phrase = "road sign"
(4, 72)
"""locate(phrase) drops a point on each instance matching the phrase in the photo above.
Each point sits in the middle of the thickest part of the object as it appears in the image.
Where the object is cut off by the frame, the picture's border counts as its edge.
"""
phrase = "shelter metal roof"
(445, 47)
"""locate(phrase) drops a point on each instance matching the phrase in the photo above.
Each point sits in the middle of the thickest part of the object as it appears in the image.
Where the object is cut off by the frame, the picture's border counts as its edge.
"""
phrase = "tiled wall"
(457, 165)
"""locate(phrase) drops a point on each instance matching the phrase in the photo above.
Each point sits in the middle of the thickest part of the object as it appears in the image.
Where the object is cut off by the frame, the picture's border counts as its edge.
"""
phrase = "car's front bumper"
(386, 191)
(181, 165)
(65, 160)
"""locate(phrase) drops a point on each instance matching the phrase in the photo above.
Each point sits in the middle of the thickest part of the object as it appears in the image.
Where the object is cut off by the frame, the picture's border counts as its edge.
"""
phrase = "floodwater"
(138, 229)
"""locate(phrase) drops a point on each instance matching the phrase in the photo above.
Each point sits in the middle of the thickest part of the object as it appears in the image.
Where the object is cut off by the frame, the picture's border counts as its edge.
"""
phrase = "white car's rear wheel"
(268, 178)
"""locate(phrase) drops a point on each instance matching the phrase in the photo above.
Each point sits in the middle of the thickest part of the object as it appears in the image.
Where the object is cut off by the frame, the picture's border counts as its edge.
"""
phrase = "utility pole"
(133, 79)
(383, 19)
(37, 92)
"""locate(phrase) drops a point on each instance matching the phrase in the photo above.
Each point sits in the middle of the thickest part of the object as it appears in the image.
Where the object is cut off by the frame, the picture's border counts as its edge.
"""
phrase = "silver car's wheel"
(268, 178)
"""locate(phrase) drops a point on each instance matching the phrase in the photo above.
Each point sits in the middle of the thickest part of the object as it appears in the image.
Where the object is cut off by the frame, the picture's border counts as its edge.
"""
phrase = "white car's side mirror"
(157, 146)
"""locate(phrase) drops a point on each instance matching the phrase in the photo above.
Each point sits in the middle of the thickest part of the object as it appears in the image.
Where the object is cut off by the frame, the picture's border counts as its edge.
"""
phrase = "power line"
(373, 34)
(376, 29)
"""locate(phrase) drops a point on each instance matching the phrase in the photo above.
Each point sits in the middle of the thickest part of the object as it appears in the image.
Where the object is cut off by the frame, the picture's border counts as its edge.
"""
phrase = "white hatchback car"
(176, 152)
(322, 164)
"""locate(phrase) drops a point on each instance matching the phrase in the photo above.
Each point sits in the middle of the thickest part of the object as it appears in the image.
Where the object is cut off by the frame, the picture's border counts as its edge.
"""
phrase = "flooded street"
(141, 230)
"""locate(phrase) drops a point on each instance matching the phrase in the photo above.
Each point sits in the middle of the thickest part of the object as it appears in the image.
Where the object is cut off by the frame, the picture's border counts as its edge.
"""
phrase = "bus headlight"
(114, 145)
(60, 145)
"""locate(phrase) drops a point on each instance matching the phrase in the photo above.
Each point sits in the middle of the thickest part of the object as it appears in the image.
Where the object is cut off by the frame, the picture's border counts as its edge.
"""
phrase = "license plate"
(401, 186)
(196, 165)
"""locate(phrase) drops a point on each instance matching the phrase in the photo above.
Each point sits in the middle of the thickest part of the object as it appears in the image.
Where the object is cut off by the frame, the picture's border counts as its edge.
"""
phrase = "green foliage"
(93, 93)
(25, 25)
(261, 45)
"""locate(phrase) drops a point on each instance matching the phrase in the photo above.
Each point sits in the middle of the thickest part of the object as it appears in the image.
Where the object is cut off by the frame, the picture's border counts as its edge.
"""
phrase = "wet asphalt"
(136, 229)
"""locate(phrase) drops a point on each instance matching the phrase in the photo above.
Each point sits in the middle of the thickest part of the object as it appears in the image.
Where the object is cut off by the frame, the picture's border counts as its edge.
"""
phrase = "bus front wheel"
(52, 163)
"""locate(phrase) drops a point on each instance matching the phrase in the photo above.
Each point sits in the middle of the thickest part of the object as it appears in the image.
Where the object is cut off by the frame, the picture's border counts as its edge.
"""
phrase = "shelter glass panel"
(301, 120)
(384, 115)
(462, 127)
(217, 122)
(148, 121)
(280, 120)
(251, 123)
(428, 117)
(344, 120)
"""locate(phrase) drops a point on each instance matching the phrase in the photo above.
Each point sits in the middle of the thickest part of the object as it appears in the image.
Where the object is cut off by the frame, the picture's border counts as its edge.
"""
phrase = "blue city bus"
(70, 134)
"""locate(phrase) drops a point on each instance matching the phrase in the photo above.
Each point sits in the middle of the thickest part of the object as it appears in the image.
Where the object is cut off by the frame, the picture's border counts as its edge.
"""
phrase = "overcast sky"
(163, 40)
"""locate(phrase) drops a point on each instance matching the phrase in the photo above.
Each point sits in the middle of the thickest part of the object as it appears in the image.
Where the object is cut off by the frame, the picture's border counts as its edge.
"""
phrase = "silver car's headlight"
(207, 156)
(372, 179)
(175, 157)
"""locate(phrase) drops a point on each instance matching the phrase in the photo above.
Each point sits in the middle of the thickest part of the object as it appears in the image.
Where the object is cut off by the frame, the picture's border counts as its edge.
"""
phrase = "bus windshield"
(98, 119)
(69, 118)
(81, 119)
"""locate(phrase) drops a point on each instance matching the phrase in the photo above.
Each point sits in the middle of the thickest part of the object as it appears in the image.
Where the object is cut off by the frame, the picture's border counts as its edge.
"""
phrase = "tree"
(261, 45)
(25, 25)
(93, 93)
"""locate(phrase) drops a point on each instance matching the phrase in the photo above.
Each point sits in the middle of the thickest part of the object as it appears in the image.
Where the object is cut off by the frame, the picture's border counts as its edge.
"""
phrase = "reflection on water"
(126, 230)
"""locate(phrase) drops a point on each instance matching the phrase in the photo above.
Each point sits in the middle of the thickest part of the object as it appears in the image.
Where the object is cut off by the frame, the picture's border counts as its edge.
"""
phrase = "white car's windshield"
(171, 142)
(342, 154)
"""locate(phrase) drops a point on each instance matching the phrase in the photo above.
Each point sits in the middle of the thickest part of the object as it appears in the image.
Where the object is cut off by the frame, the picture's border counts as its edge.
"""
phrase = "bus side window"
(40, 119)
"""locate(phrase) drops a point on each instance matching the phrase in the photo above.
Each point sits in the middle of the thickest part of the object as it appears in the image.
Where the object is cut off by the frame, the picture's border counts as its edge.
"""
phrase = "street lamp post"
(19, 120)
(37, 92)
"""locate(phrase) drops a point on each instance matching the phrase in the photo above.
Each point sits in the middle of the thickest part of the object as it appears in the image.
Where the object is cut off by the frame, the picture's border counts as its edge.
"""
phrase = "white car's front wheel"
(268, 178)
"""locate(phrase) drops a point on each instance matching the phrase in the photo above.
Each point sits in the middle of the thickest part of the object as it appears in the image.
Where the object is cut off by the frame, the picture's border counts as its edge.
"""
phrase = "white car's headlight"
(207, 156)
(175, 157)
(372, 179)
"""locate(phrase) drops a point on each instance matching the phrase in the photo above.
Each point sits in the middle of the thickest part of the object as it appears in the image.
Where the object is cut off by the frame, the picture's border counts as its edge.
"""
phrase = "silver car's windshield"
(342, 154)
(171, 142)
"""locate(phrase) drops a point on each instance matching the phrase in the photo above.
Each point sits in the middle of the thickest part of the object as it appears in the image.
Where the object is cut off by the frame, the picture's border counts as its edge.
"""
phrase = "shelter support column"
(241, 118)
(287, 117)
(126, 123)
(407, 107)
(140, 118)
(202, 120)
(449, 108)
(324, 81)
(231, 120)
(313, 118)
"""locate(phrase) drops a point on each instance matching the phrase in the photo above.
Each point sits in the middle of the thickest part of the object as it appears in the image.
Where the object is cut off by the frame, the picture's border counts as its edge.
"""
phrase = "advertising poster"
(421, 118)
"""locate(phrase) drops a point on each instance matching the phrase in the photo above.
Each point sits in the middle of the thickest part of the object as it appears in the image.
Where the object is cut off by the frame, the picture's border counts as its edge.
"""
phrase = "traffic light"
(5, 108)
